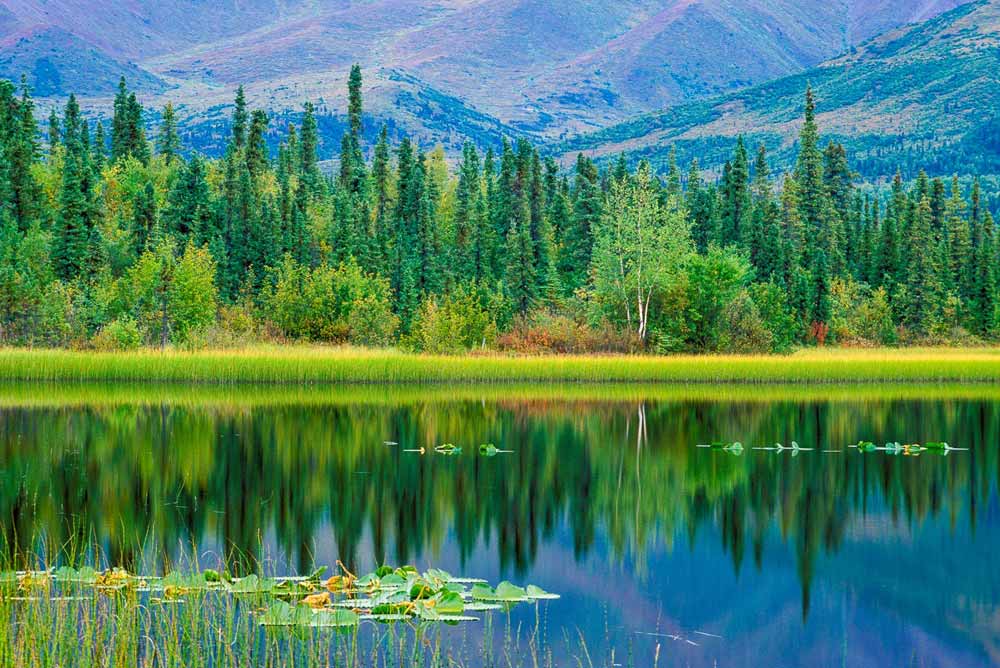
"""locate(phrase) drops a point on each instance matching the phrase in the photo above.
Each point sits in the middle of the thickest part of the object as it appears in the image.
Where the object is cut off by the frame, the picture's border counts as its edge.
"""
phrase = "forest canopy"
(113, 236)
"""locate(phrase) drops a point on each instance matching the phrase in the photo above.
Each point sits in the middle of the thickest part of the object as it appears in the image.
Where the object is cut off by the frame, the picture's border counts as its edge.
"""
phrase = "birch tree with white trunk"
(640, 250)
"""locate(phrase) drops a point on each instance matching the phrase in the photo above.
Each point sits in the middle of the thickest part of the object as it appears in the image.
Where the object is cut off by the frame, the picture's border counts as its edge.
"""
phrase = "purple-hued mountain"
(550, 67)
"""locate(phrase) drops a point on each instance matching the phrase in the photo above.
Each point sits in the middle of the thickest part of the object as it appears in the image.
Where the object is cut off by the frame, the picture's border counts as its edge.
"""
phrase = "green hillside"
(927, 94)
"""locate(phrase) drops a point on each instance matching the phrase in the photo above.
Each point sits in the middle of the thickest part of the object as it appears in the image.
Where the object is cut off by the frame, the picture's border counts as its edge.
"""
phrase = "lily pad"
(538, 593)
(505, 592)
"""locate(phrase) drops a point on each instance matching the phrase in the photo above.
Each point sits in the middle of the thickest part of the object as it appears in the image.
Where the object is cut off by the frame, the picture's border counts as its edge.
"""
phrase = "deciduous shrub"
(337, 305)
(121, 334)
(545, 333)
(454, 323)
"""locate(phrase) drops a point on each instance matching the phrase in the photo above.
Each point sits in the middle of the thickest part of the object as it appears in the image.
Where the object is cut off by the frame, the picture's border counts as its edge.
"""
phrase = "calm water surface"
(763, 559)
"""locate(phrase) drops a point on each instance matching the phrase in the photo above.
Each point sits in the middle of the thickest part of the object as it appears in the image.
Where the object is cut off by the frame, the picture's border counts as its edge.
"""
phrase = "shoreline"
(318, 366)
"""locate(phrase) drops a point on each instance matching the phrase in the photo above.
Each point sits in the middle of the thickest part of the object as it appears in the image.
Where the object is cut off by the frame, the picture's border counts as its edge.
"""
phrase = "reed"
(319, 365)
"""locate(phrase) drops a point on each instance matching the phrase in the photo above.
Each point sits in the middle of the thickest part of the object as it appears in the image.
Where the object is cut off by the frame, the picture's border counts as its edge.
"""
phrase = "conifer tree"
(168, 142)
(74, 221)
(577, 242)
(736, 198)
(240, 119)
(309, 153)
(256, 144)
(812, 200)
(924, 287)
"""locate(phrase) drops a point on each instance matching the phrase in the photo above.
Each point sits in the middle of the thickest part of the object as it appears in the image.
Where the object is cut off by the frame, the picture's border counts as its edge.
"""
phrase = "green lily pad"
(85, 574)
(537, 593)
(335, 619)
(505, 592)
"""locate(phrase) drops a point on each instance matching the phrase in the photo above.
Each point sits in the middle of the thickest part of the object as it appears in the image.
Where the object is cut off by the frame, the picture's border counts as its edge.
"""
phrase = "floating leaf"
(505, 592)
(449, 603)
(490, 450)
(85, 575)
(251, 584)
(335, 619)
(281, 613)
(538, 593)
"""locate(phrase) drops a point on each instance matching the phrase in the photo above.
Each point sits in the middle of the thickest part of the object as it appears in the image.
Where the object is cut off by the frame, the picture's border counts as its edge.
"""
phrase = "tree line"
(113, 239)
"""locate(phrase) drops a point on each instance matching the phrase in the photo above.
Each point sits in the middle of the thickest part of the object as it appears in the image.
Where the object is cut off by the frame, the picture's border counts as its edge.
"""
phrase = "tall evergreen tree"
(577, 242)
(168, 142)
(75, 219)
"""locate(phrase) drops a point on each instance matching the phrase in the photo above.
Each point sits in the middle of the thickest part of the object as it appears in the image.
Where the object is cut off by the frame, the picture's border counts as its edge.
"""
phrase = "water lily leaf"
(115, 577)
(393, 609)
(392, 603)
(86, 574)
(392, 580)
(335, 619)
(382, 571)
(281, 613)
(30, 581)
(478, 606)
(538, 593)
(386, 618)
(449, 603)
(437, 575)
(251, 584)
(420, 589)
(505, 592)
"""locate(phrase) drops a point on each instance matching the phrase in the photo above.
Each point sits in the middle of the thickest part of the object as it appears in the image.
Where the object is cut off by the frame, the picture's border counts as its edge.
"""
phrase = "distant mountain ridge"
(549, 68)
(927, 93)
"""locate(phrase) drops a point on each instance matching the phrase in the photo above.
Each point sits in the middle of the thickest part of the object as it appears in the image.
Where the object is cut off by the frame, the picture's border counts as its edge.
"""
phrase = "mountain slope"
(915, 90)
(550, 66)
(57, 63)
(543, 67)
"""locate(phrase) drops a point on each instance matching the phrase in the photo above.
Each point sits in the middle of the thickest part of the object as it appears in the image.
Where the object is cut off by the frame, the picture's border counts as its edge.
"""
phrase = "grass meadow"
(324, 365)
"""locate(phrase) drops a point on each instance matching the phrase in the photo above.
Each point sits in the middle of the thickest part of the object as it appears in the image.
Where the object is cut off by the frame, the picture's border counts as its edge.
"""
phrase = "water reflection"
(590, 479)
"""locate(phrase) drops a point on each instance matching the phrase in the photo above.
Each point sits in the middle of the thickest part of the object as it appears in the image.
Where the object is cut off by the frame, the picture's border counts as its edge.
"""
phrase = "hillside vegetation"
(923, 96)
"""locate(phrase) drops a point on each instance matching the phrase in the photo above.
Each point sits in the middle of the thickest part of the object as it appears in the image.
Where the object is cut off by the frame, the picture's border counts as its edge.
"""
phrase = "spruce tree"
(812, 195)
(240, 119)
(74, 220)
(736, 198)
(168, 142)
(577, 242)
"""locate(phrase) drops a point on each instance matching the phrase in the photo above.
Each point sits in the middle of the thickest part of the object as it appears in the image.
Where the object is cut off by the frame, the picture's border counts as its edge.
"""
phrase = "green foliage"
(714, 281)
(121, 334)
(456, 323)
(192, 296)
(342, 304)
(860, 315)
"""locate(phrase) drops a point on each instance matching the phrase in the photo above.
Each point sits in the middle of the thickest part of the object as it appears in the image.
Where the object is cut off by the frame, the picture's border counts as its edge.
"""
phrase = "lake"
(822, 557)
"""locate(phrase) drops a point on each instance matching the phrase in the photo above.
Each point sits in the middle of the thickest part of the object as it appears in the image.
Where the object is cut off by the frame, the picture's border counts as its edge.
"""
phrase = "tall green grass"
(311, 365)
(56, 394)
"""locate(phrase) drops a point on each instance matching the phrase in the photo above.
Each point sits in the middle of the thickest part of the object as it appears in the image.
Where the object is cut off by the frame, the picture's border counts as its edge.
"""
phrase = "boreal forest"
(114, 236)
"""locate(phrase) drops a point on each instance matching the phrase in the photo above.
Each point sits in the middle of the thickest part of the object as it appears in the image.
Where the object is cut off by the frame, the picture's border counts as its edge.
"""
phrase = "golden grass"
(318, 365)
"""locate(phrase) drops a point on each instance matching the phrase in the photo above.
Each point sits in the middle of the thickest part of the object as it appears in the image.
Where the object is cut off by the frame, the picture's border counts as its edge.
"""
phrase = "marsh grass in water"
(66, 617)
(346, 365)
